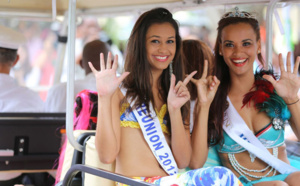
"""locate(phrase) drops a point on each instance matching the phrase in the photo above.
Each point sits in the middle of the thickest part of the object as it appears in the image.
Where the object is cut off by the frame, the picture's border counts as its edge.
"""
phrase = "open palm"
(106, 80)
(288, 85)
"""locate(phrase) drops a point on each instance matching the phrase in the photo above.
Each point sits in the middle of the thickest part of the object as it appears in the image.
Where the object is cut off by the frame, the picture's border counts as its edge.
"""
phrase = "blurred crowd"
(39, 56)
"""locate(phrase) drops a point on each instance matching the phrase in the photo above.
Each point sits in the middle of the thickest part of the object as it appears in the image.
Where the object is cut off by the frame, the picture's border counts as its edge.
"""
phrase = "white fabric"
(237, 129)
(69, 152)
(57, 95)
(192, 107)
(92, 159)
(15, 98)
(8, 175)
(154, 136)
(10, 38)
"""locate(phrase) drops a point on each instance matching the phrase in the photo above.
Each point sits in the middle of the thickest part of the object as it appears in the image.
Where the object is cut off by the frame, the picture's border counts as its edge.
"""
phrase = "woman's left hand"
(288, 85)
(179, 94)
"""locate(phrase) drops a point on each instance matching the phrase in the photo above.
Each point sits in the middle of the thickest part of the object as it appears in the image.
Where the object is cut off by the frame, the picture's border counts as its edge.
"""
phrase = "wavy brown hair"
(138, 82)
(195, 52)
(219, 104)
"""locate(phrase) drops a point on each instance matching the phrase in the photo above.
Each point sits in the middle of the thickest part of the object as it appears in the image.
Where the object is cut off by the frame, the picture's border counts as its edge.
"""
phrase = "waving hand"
(106, 80)
(289, 83)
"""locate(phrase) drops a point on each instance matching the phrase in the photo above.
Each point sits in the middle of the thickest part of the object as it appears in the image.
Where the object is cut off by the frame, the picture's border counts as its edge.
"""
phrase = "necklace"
(247, 172)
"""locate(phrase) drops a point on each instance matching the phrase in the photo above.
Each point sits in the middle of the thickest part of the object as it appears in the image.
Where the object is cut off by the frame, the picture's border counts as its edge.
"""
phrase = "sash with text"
(237, 129)
(154, 136)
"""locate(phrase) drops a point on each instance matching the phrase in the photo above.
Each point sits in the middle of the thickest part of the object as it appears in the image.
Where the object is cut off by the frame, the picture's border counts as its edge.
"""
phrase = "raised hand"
(206, 86)
(289, 83)
(179, 94)
(106, 80)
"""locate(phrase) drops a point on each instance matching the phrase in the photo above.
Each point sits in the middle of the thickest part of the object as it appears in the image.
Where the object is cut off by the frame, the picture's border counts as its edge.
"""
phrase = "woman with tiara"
(249, 111)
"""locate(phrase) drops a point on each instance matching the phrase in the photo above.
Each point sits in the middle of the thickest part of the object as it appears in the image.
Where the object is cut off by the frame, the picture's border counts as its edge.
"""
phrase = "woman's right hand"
(106, 80)
(207, 86)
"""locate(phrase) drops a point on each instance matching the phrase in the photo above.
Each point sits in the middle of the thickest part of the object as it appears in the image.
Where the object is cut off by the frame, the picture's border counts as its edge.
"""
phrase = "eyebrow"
(171, 37)
(228, 41)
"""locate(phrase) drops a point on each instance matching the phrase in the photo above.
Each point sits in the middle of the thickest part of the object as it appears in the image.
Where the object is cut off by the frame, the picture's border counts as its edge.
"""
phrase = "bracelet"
(292, 103)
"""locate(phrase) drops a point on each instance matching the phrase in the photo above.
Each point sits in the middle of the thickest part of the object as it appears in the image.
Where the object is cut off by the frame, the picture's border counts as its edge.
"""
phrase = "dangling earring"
(171, 69)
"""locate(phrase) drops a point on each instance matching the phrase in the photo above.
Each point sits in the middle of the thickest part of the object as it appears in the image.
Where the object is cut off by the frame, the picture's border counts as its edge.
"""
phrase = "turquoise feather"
(275, 107)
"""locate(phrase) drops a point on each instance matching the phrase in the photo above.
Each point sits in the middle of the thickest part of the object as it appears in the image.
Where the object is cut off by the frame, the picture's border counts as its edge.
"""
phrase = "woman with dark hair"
(248, 113)
(198, 56)
(195, 52)
(144, 125)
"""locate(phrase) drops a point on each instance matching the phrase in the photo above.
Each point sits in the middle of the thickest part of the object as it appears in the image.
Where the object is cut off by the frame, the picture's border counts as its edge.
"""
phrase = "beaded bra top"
(266, 100)
(268, 136)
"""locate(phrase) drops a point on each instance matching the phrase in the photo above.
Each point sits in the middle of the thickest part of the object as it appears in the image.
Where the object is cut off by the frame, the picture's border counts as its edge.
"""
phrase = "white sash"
(154, 136)
(237, 129)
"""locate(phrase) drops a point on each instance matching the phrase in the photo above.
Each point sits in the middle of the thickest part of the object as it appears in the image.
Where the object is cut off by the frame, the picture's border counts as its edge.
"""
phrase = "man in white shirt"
(13, 98)
(57, 95)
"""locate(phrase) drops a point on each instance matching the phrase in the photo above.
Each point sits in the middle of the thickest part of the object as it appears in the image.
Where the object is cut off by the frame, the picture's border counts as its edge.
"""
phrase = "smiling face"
(239, 47)
(160, 46)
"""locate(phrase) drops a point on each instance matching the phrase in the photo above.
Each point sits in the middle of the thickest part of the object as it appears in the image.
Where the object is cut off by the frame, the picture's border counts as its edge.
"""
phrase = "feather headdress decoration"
(265, 97)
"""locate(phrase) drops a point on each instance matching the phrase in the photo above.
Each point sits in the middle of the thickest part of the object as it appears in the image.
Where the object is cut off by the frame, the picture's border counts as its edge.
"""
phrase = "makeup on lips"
(161, 58)
(239, 61)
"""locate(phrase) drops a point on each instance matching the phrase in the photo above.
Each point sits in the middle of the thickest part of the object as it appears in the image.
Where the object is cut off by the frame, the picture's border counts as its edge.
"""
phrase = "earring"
(171, 69)
(220, 53)
(258, 52)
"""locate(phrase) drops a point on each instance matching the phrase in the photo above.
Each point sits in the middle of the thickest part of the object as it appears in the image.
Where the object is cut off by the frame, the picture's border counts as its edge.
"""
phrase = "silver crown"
(239, 14)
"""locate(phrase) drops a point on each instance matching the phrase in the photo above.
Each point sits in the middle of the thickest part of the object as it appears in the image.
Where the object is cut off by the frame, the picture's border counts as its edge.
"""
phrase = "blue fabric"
(280, 177)
(268, 136)
(213, 159)
(294, 161)
(209, 176)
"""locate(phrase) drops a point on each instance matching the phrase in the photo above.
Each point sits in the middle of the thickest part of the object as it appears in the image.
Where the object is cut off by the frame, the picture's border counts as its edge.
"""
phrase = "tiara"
(239, 14)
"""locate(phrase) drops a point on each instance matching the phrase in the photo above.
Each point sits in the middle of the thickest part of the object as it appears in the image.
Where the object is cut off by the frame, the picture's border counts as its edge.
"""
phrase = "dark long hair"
(194, 53)
(138, 82)
(219, 104)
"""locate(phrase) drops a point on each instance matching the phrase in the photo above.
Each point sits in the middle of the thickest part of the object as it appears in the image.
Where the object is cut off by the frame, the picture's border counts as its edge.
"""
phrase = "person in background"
(13, 97)
(195, 52)
(198, 56)
(57, 95)
(85, 118)
(297, 53)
